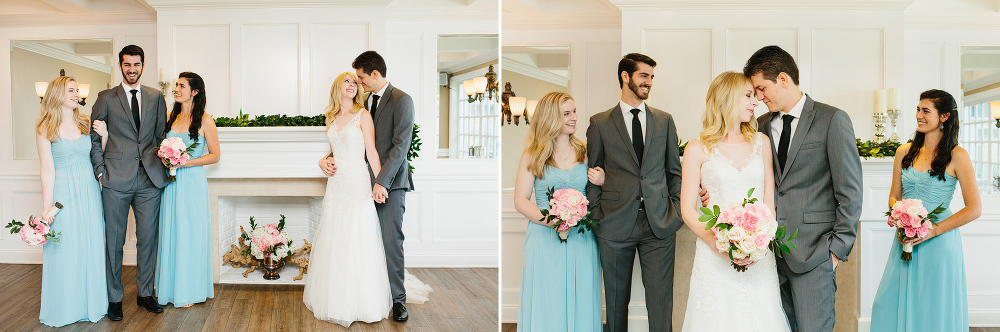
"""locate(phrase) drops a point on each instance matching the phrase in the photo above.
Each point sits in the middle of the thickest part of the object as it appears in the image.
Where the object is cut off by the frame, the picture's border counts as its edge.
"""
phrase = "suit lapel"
(123, 96)
(808, 113)
(649, 134)
(619, 121)
(383, 103)
(148, 107)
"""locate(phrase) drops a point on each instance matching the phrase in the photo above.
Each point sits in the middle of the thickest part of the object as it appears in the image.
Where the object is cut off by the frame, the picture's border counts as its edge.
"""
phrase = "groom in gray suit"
(131, 175)
(636, 145)
(392, 111)
(818, 187)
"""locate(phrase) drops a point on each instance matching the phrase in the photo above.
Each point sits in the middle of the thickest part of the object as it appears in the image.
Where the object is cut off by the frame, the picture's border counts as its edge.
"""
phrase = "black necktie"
(786, 135)
(374, 105)
(637, 144)
(135, 109)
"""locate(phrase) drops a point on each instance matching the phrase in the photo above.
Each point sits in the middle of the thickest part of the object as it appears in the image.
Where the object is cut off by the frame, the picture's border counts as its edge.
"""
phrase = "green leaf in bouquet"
(716, 209)
(253, 225)
(281, 222)
(793, 244)
(784, 248)
(750, 193)
(706, 211)
(794, 234)
(780, 234)
(706, 218)
(723, 226)
(710, 224)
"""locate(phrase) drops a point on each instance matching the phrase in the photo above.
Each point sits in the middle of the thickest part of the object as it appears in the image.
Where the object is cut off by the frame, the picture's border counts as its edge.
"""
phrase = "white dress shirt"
(777, 124)
(138, 97)
(627, 115)
(379, 94)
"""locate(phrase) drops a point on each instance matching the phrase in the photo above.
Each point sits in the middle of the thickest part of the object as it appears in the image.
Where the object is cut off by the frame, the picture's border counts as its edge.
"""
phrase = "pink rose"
(910, 232)
(750, 221)
(905, 219)
(762, 240)
(726, 217)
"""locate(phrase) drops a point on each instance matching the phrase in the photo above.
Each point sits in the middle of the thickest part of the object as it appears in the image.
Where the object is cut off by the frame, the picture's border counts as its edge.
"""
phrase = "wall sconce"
(164, 84)
(40, 88)
(530, 109)
(480, 88)
(505, 103)
(517, 107)
(84, 89)
(995, 110)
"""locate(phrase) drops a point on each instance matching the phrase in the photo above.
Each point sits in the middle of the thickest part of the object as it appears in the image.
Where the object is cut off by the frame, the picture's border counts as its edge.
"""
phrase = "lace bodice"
(729, 172)
(348, 145)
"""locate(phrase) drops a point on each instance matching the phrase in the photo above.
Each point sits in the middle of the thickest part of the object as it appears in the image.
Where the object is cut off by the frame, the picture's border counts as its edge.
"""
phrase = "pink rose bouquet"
(746, 230)
(173, 152)
(568, 208)
(269, 240)
(37, 231)
(911, 221)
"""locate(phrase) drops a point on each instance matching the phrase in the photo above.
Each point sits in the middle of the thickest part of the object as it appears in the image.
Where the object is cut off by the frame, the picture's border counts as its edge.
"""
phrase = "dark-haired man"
(818, 186)
(131, 175)
(392, 110)
(636, 145)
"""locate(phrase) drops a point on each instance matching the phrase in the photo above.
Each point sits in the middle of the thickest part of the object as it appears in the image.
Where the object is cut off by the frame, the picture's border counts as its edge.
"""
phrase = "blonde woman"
(347, 279)
(565, 277)
(728, 159)
(74, 280)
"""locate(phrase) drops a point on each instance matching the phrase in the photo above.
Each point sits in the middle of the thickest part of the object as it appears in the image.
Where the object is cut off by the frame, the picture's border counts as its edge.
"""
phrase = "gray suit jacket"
(118, 163)
(819, 191)
(393, 132)
(657, 181)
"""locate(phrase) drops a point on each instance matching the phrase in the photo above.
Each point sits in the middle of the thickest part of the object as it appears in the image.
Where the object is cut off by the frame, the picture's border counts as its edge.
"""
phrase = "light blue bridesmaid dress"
(560, 282)
(74, 280)
(928, 293)
(184, 259)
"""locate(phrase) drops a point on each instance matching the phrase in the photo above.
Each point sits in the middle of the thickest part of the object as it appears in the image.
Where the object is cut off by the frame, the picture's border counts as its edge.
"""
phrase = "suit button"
(781, 193)
(638, 198)
(642, 178)
(136, 158)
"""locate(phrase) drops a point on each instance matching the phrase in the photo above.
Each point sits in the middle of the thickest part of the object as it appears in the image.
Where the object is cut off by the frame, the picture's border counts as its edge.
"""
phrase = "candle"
(880, 101)
(161, 75)
(893, 99)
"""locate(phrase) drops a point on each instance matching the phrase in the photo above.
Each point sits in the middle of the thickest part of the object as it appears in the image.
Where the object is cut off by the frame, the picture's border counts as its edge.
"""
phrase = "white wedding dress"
(720, 298)
(347, 279)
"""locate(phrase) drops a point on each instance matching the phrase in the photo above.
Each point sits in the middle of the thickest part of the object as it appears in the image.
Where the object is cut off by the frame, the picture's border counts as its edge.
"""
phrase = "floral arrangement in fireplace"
(269, 240)
(270, 248)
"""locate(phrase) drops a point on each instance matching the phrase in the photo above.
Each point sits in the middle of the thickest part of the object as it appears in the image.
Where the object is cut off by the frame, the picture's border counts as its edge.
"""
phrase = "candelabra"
(879, 127)
(893, 115)
(164, 88)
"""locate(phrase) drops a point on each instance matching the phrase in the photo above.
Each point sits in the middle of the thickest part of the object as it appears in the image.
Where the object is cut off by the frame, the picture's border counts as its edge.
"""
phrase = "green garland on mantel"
(281, 120)
(866, 149)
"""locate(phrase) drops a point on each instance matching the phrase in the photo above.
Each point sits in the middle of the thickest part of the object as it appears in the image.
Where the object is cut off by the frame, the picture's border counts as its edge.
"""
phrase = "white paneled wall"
(282, 59)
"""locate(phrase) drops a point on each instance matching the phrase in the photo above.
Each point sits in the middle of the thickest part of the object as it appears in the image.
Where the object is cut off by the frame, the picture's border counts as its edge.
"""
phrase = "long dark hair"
(945, 104)
(196, 84)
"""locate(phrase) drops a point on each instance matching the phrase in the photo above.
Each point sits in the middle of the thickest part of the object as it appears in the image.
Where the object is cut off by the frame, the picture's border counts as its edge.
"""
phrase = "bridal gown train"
(720, 298)
(347, 280)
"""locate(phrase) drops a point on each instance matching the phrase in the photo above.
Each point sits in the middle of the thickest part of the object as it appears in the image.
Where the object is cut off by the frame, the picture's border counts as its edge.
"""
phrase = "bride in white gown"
(729, 159)
(347, 278)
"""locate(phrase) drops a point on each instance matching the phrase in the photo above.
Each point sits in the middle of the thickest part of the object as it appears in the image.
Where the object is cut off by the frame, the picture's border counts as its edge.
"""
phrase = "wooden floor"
(463, 300)
(511, 327)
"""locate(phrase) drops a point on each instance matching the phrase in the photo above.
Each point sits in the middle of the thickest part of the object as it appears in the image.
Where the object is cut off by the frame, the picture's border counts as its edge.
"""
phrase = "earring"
(942, 127)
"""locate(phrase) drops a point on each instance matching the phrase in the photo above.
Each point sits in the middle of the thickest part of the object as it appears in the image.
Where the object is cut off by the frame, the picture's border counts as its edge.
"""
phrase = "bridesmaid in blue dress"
(560, 282)
(184, 259)
(74, 281)
(929, 293)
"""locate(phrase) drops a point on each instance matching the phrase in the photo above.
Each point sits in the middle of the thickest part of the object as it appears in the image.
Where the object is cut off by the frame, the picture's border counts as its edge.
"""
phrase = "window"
(477, 126)
(981, 138)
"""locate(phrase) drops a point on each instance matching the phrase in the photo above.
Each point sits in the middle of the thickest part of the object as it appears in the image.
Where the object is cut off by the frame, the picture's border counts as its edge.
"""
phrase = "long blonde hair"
(50, 114)
(546, 125)
(722, 109)
(334, 107)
